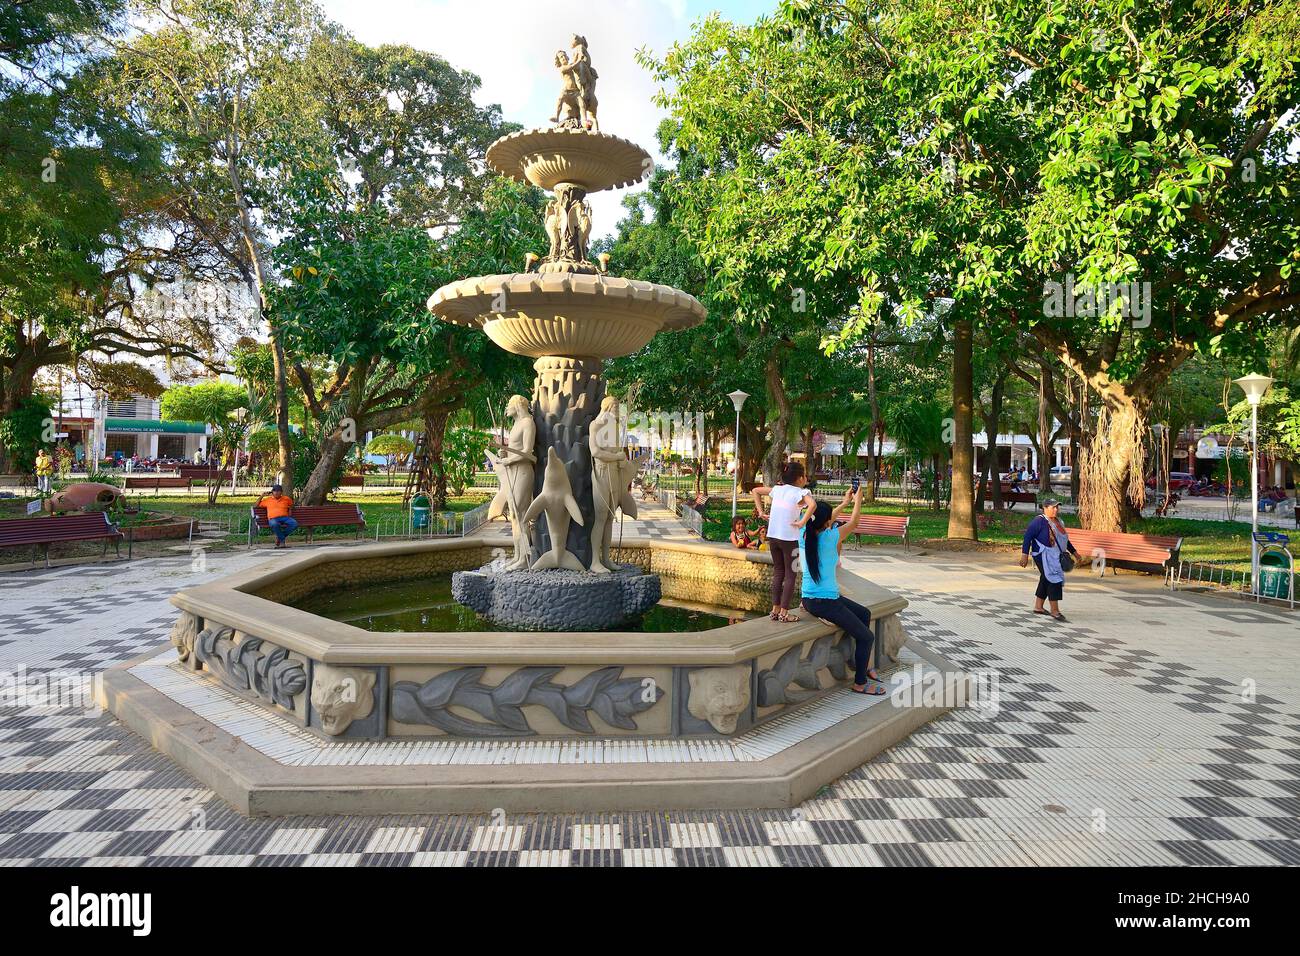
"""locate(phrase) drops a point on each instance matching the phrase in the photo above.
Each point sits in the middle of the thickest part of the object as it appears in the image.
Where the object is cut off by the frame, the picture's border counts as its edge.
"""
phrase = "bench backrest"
(80, 527)
(317, 515)
(158, 481)
(1144, 548)
(893, 526)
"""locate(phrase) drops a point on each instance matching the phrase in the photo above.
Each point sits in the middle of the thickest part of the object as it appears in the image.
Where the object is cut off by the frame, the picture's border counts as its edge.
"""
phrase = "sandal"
(788, 618)
(876, 691)
(1039, 610)
(1061, 618)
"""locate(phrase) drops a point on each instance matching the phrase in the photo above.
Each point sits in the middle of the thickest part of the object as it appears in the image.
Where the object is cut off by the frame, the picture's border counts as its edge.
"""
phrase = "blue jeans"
(282, 528)
(853, 618)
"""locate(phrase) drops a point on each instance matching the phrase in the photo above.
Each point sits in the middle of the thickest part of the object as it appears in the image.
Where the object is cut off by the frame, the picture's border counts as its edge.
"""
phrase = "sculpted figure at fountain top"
(576, 107)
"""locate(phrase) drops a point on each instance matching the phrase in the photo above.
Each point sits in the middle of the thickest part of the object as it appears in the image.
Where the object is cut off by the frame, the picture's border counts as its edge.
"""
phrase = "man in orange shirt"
(279, 509)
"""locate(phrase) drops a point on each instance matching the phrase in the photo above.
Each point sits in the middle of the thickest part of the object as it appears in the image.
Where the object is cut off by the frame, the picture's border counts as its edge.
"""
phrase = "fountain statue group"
(611, 479)
(562, 473)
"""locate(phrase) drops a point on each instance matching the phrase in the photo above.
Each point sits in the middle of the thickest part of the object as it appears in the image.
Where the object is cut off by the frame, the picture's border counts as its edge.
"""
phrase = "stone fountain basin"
(246, 720)
(594, 316)
(296, 645)
(548, 158)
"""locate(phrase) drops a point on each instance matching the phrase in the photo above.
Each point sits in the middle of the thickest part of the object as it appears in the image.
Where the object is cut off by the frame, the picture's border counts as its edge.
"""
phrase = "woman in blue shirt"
(820, 540)
(1046, 540)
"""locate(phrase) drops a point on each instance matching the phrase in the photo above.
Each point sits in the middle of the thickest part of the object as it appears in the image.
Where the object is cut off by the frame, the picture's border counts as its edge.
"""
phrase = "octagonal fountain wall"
(342, 682)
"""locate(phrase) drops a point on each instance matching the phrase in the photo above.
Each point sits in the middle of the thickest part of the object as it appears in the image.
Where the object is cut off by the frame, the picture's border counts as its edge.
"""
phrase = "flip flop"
(1060, 617)
(869, 692)
(1040, 611)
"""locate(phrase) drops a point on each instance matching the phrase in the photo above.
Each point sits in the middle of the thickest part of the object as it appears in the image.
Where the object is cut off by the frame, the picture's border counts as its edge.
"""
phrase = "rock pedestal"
(566, 397)
(557, 600)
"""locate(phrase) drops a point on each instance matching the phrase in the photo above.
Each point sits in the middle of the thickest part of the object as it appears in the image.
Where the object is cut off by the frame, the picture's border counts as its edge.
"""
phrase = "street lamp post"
(738, 399)
(1254, 386)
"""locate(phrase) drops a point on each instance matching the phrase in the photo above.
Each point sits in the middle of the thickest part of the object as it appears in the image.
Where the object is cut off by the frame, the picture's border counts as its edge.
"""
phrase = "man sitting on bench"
(279, 514)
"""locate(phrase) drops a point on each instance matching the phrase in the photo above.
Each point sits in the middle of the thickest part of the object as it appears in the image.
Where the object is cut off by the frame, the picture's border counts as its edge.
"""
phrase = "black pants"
(782, 571)
(1047, 590)
(854, 619)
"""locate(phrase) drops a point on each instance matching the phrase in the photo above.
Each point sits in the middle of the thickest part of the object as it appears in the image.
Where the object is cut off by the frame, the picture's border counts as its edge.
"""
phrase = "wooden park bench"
(699, 502)
(310, 517)
(1013, 498)
(156, 482)
(43, 532)
(882, 526)
(1141, 552)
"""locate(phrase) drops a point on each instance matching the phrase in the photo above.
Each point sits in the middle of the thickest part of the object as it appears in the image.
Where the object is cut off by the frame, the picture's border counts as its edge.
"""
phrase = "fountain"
(566, 475)
(342, 679)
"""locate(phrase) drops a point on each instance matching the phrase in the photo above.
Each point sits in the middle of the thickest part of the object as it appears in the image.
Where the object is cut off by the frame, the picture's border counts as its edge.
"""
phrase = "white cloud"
(511, 45)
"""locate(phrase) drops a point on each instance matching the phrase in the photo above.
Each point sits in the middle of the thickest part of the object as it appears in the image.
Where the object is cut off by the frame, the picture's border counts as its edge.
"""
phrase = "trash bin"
(420, 511)
(1274, 574)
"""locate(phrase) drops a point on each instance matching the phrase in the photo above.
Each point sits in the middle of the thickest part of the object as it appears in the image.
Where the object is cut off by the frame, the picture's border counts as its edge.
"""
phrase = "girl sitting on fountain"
(740, 536)
(820, 540)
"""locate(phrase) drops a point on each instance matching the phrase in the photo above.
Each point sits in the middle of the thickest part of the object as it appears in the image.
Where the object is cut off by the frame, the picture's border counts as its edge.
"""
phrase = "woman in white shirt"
(788, 499)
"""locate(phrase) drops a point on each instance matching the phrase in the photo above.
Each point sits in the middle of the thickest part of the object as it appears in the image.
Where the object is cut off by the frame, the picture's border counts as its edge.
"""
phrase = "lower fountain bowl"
(557, 600)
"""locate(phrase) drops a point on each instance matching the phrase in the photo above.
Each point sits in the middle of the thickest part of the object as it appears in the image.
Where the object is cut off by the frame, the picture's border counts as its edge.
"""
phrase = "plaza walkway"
(1151, 729)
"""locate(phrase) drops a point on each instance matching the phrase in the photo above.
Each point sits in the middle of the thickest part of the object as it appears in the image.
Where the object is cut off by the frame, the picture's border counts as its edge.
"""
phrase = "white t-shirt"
(785, 512)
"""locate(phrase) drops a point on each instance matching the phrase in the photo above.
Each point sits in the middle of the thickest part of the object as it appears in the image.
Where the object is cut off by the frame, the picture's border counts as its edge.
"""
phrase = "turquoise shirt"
(828, 557)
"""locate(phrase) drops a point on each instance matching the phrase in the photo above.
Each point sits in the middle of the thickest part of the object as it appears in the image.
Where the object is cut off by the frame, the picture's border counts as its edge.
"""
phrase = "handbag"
(1067, 562)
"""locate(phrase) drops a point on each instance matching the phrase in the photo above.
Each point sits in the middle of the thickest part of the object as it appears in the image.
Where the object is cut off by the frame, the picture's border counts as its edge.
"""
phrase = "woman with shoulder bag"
(1048, 542)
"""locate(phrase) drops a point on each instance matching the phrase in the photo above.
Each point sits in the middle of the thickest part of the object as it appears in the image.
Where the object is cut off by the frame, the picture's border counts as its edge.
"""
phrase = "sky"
(511, 44)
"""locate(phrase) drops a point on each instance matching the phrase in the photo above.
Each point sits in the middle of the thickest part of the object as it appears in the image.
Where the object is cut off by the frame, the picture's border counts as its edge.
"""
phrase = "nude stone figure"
(576, 107)
(611, 474)
(514, 471)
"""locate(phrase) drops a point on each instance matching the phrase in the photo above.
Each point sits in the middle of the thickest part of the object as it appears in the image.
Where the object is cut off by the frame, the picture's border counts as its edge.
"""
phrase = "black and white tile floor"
(1152, 729)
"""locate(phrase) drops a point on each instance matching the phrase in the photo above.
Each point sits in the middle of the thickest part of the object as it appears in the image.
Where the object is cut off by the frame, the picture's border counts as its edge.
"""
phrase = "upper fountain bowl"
(566, 314)
(551, 157)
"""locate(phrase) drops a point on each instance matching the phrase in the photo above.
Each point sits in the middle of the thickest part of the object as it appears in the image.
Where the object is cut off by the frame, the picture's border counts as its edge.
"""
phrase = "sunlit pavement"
(1153, 728)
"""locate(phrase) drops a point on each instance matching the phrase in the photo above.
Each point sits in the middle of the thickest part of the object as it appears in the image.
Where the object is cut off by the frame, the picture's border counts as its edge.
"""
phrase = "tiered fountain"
(563, 464)
(282, 704)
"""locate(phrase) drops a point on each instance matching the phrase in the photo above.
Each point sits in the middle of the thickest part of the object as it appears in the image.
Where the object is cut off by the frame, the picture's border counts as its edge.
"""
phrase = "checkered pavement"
(1152, 729)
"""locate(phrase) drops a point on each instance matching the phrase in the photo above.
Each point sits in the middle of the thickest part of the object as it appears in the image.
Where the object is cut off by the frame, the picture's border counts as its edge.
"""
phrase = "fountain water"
(569, 314)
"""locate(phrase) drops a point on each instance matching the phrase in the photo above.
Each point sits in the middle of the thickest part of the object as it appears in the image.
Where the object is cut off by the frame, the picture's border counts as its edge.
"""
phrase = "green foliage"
(463, 452)
(208, 402)
(23, 431)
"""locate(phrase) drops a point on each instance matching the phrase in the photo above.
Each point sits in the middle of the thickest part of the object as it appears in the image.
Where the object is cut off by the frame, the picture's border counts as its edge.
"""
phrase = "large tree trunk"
(992, 422)
(435, 435)
(1112, 487)
(282, 413)
(332, 451)
(961, 512)
(780, 425)
(1044, 435)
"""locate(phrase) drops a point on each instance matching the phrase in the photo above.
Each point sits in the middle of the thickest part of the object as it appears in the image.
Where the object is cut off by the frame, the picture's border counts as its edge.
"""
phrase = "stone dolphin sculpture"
(556, 501)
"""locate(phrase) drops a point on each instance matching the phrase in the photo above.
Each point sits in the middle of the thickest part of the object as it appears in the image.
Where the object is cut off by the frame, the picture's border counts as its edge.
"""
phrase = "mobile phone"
(856, 481)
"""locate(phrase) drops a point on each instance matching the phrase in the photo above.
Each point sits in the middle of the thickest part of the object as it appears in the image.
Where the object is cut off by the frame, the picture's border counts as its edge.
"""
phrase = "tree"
(1105, 143)
(392, 447)
(82, 191)
(218, 81)
(26, 430)
(216, 404)
(357, 295)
